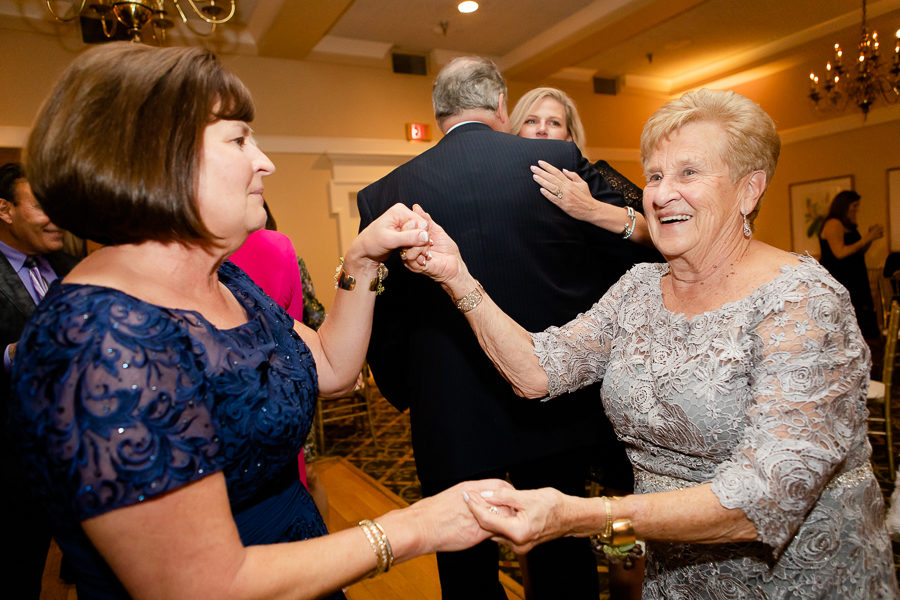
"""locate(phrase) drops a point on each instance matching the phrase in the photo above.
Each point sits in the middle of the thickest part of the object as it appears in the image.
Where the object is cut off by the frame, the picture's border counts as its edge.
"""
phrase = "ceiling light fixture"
(467, 7)
(862, 83)
(136, 14)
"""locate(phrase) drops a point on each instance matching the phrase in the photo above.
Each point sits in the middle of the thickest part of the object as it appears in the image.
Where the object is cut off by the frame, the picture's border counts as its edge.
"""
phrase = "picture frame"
(893, 209)
(809, 206)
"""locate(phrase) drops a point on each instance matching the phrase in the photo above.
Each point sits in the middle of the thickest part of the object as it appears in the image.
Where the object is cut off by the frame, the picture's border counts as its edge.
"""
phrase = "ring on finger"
(403, 253)
(494, 510)
(559, 193)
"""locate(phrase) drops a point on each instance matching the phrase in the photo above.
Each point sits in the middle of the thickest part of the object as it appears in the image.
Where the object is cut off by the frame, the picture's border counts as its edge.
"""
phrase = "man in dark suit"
(30, 259)
(542, 267)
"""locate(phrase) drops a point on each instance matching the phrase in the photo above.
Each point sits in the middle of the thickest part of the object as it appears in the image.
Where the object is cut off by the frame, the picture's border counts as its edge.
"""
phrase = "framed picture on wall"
(893, 204)
(809, 206)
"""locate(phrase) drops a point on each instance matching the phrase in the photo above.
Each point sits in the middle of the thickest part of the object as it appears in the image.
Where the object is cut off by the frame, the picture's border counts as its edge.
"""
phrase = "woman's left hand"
(521, 519)
(565, 189)
(398, 227)
(571, 193)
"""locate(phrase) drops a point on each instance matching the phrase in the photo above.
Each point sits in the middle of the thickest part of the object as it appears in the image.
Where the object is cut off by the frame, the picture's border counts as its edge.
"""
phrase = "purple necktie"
(37, 279)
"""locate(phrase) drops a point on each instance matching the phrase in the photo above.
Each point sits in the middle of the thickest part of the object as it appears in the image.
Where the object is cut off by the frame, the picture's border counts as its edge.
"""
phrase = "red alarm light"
(417, 132)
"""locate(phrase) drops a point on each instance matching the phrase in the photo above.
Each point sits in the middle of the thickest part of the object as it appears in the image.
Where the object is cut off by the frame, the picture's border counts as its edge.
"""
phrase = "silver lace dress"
(765, 399)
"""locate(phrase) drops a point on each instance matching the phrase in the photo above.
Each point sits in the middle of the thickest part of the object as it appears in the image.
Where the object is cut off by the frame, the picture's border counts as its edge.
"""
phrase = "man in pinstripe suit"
(542, 267)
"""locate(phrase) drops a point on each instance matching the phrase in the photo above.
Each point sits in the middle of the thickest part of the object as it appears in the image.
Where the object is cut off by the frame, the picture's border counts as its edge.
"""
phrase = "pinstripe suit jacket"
(541, 267)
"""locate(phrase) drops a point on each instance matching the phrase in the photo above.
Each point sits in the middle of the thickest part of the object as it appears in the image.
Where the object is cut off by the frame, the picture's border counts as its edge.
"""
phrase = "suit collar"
(468, 126)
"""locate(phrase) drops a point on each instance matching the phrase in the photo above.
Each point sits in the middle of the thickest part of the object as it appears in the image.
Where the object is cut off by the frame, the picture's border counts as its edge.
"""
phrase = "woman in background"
(549, 113)
(161, 397)
(844, 255)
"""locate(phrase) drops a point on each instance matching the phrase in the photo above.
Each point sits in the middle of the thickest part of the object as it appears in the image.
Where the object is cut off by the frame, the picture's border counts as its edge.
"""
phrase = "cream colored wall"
(865, 153)
(311, 99)
(297, 194)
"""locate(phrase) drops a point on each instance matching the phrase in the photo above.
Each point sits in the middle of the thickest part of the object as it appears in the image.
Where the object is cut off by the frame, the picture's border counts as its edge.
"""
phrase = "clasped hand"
(398, 227)
(521, 519)
(439, 259)
(473, 511)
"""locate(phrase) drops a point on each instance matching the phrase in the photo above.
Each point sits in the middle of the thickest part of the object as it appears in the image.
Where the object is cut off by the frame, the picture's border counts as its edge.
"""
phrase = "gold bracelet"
(606, 536)
(617, 541)
(380, 275)
(345, 281)
(384, 556)
(470, 300)
(387, 546)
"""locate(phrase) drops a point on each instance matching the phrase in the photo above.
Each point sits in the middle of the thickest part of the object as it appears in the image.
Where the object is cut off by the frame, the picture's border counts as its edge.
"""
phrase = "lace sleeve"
(632, 194)
(576, 354)
(806, 413)
(111, 409)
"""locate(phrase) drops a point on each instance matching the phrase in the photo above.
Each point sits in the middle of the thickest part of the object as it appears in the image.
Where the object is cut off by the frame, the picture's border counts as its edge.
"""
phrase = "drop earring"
(747, 231)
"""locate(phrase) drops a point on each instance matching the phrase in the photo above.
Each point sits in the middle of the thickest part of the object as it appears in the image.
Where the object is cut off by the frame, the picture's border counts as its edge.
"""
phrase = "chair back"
(887, 377)
(890, 347)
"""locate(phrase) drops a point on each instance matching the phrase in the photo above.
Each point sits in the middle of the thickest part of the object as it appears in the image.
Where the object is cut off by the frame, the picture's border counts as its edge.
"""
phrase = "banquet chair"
(880, 391)
(354, 405)
(889, 289)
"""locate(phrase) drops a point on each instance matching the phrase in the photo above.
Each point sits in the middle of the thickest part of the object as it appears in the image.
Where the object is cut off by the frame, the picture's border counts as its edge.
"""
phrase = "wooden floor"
(352, 495)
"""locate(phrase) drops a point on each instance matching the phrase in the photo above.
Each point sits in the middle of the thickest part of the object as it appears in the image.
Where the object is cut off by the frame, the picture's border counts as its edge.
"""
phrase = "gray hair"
(467, 82)
(751, 138)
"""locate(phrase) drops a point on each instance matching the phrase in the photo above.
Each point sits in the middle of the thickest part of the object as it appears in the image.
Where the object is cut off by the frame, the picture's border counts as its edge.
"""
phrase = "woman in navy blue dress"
(162, 397)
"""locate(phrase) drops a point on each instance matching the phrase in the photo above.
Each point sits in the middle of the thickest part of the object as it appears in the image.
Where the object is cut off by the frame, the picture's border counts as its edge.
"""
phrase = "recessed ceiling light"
(467, 7)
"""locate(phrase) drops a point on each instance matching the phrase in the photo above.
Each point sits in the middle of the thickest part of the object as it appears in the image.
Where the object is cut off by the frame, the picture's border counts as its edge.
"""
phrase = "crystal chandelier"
(864, 81)
(146, 15)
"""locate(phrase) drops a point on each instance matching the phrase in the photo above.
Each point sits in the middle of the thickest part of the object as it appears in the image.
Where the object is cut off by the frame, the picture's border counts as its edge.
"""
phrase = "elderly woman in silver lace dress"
(735, 373)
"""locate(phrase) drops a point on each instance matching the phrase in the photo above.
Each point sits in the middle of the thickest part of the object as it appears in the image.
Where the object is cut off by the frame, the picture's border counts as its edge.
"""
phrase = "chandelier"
(139, 16)
(864, 81)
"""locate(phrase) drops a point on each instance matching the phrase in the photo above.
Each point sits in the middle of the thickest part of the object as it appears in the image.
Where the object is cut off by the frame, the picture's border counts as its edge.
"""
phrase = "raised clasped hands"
(439, 259)
(398, 227)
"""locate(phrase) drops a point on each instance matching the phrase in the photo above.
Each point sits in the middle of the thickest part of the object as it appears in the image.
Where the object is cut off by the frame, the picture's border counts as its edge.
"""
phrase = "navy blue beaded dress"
(119, 401)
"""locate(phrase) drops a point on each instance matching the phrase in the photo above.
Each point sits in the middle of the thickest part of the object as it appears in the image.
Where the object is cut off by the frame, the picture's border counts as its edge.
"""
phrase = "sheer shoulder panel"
(111, 405)
(577, 354)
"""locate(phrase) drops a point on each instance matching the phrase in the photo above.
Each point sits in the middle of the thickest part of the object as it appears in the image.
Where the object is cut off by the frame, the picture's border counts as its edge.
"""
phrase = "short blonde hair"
(527, 102)
(751, 139)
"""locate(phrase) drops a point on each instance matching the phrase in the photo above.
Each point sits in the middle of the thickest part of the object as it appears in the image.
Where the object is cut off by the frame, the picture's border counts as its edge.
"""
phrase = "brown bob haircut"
(115, 150)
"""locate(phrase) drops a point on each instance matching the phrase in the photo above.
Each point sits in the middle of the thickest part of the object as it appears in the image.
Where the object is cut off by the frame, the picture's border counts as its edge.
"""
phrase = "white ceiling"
(661, 45)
